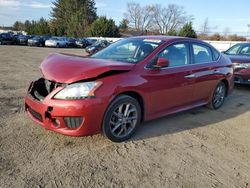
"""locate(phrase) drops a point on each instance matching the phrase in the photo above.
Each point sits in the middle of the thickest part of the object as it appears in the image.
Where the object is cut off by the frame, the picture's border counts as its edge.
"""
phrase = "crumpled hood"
(68, 68)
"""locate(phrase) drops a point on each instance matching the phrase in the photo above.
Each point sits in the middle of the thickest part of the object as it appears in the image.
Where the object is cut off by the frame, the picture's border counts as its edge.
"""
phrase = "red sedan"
(240, 56)
(132, 80)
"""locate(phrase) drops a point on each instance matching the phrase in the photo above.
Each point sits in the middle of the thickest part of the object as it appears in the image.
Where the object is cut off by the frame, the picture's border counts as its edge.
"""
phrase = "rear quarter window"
(216, 54)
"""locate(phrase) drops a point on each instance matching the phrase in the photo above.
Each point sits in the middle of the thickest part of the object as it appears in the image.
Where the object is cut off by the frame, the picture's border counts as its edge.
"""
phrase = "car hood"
(239, 59)
(64, 68)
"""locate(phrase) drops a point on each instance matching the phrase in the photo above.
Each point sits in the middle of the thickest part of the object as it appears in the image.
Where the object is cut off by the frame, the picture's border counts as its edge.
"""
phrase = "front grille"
(73, 122)
(35, 114)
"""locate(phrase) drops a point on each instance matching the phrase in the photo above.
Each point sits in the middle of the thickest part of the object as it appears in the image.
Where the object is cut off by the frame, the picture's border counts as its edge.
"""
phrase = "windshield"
(234, 50)
(128, 50)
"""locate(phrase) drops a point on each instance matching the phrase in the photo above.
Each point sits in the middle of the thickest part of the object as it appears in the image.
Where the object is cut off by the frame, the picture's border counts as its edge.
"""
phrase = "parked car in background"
(6, 38)
(133, 80)
(21, 39)
(57, 42)
(82, 43)
(91, 41)
(97, 46)
(240, 56)
(37, 40)
(71, 42)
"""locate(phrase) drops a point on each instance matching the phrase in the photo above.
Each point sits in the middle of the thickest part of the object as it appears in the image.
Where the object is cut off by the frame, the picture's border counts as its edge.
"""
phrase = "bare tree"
(205, 28)
(169, 18)
(139, 17)
(146, 18)
(133, 14)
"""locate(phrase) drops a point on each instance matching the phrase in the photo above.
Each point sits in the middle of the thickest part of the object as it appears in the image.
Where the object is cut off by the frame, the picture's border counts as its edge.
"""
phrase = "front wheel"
(218, 96)
(121, 118)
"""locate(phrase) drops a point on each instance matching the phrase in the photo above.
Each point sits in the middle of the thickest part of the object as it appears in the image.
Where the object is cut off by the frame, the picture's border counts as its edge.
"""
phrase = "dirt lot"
(197, 148)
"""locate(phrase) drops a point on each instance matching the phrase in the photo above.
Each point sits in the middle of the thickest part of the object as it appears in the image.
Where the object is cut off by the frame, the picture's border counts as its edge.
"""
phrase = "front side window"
(245, 51)
(202, 54)
(176, 54)
(128, 50)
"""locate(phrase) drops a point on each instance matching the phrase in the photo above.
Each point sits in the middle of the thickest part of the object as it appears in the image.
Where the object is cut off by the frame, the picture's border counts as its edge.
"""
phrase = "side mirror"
(161, 62)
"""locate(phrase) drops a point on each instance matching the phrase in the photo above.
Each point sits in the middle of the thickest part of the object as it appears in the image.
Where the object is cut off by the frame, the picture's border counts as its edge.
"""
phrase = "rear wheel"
(121, 118)
(218, 96)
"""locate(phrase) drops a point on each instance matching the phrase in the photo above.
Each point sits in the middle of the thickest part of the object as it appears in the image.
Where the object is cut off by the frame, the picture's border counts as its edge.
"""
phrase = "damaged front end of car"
(41, 88)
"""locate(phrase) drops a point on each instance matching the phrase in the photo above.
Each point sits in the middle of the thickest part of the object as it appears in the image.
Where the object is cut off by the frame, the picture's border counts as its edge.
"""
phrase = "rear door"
(206, 71)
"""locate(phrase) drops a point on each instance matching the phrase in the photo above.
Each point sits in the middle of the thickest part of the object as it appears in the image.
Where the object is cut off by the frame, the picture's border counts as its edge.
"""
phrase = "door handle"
(189, 76)
(216, 71)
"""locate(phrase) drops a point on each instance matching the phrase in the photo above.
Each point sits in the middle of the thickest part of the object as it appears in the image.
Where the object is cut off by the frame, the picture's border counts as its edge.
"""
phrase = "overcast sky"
(221, 14)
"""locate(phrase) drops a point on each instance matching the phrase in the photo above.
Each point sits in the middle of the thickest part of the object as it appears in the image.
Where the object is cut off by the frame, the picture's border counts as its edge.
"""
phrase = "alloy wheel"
(123, 120)
(219, 95)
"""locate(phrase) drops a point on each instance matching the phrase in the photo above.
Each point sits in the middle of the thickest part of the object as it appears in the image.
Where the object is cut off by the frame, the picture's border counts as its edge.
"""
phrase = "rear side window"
(201, 54)
(176, 54)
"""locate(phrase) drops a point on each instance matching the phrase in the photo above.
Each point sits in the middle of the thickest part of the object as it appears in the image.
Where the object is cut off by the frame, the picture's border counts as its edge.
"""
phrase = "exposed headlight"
(78, 91)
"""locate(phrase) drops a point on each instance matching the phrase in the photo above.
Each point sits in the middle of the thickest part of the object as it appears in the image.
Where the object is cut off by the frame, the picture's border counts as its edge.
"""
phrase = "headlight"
(78, 91)
(242, 65)
(91, 48)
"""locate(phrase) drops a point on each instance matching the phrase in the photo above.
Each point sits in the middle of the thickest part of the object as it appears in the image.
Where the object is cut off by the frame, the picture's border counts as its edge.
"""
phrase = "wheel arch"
(225, 81)
(138, 97)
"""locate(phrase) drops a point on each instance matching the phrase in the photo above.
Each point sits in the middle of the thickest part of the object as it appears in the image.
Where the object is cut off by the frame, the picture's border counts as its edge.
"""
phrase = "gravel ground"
(196, 148)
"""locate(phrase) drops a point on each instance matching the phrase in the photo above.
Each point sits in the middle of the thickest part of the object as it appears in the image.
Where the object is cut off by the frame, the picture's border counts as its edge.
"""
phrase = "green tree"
(72, 18)
(172, 32)
(40, 27)
(104, 27)
(27, 25)
(188, 31)
(123, 24)
(18, 26)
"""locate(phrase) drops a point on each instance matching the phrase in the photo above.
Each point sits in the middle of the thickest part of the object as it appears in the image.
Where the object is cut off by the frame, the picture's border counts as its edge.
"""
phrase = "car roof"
(164, 38)
(243, 43)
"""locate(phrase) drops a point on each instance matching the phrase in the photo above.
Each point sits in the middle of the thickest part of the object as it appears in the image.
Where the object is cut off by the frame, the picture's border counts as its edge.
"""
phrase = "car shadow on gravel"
(235, 104)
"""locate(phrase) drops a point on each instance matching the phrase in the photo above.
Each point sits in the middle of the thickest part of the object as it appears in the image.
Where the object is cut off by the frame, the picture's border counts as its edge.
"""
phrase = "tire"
(121, 119)
(219, 96)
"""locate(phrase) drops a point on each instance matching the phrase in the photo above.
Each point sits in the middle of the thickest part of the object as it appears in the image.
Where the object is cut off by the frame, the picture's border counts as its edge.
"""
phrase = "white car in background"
(57, 42)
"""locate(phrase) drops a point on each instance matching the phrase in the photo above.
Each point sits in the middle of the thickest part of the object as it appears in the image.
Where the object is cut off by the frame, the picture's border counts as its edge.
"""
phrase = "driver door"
(171, 88)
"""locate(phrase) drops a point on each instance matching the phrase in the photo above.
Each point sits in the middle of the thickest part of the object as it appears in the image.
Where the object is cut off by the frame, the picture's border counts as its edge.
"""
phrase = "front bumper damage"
(68, 117)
